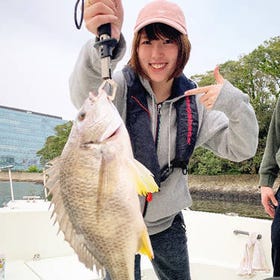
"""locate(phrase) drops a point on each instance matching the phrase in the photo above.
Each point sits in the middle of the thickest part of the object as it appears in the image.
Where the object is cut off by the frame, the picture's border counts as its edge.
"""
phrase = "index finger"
(218, 77)
(197, 90)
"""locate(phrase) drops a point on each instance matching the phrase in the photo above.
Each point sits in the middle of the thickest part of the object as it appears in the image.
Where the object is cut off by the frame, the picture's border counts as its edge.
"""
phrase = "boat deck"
(59, 268)
(34, 250)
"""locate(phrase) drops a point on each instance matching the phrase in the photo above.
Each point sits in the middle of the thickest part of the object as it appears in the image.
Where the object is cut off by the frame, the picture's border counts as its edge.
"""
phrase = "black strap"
(168, 169)
(145, 208)
(79, 24)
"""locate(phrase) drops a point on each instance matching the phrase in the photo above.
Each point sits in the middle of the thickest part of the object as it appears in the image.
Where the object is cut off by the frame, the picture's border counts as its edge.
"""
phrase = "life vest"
(138, 123)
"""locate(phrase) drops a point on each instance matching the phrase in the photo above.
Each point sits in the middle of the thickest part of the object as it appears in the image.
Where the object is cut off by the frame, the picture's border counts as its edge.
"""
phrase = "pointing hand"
(210, 93)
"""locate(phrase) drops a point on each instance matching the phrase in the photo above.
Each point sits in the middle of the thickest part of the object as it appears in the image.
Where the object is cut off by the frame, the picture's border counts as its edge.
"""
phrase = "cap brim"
(160, 20)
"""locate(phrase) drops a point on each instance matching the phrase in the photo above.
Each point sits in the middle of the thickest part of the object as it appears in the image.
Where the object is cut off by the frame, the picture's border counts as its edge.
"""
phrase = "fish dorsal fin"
(145, 245)
(145, 182)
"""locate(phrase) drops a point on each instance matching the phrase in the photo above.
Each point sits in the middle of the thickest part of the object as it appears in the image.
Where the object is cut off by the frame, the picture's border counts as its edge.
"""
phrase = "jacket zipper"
(159, 106)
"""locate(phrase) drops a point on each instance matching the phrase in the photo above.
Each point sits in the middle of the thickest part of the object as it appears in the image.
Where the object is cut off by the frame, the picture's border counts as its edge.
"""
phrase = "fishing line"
(79, 24)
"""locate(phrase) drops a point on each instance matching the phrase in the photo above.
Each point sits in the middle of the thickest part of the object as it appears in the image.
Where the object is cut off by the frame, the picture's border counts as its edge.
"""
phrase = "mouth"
(158, 66)
(112, 136)
(90, 144)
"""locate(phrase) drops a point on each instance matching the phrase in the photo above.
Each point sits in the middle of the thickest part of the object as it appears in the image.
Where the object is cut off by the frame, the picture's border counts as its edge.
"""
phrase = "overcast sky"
(40, 44)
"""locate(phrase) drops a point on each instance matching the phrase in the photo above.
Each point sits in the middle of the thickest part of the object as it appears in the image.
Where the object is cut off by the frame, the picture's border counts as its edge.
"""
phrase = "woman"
(166, 116)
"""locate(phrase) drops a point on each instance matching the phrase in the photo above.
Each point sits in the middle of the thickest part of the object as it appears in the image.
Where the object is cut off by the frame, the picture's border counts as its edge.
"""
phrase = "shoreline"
(202, 185)
(228, 188)
(18, 176)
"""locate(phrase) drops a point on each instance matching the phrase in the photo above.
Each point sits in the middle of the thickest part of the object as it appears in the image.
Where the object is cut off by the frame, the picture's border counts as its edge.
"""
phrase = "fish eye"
(81, 116)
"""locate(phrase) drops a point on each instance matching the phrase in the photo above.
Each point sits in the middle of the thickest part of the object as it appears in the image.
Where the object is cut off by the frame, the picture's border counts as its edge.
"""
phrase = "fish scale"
(95, 185)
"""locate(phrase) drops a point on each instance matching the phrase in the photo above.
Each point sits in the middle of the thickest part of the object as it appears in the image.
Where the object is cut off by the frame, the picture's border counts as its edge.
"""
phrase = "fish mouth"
(90, 144)
(112, 135)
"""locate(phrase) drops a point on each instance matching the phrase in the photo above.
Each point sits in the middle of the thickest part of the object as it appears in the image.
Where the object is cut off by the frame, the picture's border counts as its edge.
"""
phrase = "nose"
(157, 49)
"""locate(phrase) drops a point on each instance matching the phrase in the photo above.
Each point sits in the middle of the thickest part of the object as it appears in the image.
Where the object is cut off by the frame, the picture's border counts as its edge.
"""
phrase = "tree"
(258, 75)
(55, 144)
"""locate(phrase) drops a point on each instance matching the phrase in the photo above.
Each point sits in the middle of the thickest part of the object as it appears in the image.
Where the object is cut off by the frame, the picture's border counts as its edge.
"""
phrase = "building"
(22, 134)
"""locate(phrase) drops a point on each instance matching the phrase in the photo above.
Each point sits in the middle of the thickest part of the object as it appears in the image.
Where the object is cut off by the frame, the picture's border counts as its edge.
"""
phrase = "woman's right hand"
(98, 12)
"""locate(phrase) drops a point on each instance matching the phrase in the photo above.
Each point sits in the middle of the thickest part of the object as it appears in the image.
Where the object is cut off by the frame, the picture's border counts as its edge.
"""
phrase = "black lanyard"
(79, 24)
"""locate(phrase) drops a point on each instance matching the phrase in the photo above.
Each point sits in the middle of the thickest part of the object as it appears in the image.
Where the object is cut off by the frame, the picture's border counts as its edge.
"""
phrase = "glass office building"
(22, 134)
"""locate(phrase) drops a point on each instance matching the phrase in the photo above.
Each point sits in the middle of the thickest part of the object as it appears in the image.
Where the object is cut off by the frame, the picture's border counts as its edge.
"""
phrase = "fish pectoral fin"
(145, 245)
(145, 182)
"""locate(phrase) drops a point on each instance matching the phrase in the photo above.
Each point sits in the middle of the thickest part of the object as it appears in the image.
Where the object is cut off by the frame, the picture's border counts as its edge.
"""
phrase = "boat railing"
(44, 182)
(9, 167)
(28, 198)
(236, 232)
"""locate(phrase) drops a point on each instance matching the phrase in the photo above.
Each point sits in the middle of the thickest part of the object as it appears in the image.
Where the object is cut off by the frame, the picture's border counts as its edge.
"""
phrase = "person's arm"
(229, 126)
(269, 168)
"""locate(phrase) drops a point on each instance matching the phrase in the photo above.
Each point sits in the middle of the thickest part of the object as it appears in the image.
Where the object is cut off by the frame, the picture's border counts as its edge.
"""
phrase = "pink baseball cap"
(162, 11)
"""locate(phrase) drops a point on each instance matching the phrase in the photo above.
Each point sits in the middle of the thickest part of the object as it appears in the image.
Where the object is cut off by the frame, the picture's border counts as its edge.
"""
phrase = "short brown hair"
(156, 31)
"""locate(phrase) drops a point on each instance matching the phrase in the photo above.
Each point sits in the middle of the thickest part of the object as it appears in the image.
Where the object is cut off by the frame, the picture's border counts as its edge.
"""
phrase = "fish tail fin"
(145, 245)
(144, 178)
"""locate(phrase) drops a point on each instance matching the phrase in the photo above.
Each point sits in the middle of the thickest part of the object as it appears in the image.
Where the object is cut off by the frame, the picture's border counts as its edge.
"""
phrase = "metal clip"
(110, 87)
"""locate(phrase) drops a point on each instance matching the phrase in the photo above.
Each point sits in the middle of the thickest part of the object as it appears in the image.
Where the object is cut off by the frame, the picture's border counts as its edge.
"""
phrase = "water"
(244, 209)
(20, 189)
(245, 204)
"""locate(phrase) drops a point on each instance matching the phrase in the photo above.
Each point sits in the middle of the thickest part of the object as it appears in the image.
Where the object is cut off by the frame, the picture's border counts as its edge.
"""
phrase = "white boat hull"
(33, 250)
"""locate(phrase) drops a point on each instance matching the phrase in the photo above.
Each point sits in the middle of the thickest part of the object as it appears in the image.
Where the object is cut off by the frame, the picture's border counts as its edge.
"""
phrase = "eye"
(168, 41)
(81, 116)
(145, 42)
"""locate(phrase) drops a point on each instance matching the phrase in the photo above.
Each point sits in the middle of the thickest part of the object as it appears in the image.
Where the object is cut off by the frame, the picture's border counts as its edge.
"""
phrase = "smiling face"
(157, 57)
(159, 52)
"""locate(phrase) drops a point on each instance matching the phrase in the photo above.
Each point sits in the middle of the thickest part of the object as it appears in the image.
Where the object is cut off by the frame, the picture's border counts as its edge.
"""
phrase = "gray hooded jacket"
(230, 130)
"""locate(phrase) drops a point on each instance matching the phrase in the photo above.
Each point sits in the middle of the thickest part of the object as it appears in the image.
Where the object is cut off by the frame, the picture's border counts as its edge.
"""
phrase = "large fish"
(95, 185)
